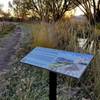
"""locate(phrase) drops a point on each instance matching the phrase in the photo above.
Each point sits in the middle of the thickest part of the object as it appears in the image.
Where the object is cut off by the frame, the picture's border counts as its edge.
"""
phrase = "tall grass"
(64, 35)
(27, 83)
(56, 35)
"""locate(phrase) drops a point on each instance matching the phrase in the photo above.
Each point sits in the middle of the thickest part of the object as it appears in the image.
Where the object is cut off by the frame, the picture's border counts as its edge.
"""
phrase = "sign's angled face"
(67, 63)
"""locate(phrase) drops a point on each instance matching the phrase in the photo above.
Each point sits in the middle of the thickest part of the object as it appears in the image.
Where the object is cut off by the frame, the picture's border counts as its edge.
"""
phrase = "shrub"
(5, 29)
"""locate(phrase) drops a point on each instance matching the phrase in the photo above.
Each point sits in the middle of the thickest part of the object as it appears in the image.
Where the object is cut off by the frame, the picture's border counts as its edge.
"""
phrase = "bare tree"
(19, 8)
(91, 10)
(98, 11)
(43, 9)
(87, 6)
(1, 12)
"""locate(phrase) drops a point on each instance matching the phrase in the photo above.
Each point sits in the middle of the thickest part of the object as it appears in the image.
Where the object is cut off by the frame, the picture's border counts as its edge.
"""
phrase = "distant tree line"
(16, 19)
(53, 10)
(48, 10)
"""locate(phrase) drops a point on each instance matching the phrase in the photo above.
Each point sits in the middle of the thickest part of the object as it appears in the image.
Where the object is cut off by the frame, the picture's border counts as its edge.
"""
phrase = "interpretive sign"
(68, 63)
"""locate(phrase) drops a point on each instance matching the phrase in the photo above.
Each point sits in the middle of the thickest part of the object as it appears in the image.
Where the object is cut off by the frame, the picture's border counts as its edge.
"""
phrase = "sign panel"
(68, 63)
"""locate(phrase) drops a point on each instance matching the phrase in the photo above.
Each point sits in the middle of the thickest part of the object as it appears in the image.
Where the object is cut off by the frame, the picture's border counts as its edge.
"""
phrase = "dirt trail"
(8, 48)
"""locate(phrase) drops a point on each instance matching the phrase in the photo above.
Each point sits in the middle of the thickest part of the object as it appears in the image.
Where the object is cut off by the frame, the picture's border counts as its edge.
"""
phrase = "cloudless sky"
(6, 6)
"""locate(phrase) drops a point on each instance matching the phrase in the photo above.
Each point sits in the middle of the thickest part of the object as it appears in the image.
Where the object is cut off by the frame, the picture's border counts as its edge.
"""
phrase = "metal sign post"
(52, 86)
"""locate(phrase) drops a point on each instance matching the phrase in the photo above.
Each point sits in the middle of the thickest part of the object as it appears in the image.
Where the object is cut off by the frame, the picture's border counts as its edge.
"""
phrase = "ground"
(8, 48)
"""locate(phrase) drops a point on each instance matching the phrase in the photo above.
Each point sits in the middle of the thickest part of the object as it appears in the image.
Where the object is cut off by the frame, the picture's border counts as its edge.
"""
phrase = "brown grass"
(63, 35)
(32, 83)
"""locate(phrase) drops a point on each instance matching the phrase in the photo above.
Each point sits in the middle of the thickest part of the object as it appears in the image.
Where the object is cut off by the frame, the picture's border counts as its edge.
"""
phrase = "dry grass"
(41, 36)
(63, 35)
(32, 84)
(5, 29)
(56, 35)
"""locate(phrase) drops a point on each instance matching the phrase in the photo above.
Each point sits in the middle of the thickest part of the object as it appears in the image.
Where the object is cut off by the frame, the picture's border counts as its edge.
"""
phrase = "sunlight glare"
(78, 12)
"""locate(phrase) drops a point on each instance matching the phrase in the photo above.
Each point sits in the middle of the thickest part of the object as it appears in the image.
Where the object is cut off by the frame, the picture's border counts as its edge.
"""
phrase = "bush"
(5, 29)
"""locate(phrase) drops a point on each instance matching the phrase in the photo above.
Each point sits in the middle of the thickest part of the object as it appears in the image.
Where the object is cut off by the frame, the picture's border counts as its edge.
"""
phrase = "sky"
(5, 7)
(5, 4)
(78, 12)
